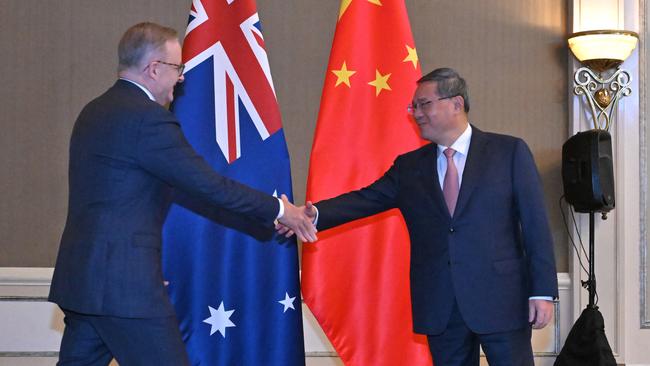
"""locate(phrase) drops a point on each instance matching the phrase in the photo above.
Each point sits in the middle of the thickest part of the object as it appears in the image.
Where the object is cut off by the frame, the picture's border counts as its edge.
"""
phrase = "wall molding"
(643, 168)
(24, 289)
(25, 276)
(25, 284)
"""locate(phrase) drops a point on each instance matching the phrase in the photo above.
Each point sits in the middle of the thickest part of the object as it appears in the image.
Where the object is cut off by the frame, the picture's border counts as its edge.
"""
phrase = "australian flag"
(234, 284)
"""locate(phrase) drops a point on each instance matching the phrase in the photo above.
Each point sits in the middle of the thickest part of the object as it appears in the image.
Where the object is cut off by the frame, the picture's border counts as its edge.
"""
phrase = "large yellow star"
(412, 56)
(343, 75)
(346, 3)
(380, 83)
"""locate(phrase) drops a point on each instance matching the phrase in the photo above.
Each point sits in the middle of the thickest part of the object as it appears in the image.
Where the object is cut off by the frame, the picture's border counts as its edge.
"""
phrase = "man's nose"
(181, 78)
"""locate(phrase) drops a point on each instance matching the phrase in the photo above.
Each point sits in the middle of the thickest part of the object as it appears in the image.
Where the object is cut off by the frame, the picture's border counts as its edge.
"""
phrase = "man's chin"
(424, 134)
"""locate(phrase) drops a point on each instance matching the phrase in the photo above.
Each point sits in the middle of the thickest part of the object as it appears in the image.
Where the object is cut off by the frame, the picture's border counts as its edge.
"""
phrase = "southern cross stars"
(287, 302)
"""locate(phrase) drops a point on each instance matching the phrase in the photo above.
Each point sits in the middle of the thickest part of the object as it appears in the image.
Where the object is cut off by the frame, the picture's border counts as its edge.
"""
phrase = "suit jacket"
(490, 257)
(127, 153)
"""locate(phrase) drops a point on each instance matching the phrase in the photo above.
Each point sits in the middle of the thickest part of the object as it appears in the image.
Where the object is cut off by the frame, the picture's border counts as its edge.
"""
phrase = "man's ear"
(151, 70)
(459, 103)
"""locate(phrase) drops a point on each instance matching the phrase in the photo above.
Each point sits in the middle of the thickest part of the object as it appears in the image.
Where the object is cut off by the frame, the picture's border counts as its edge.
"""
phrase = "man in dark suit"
(127, 154)
(482, 265)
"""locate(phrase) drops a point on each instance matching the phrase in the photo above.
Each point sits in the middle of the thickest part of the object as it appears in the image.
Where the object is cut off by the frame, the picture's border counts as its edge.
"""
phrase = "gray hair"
(140, 41)
(449, 82)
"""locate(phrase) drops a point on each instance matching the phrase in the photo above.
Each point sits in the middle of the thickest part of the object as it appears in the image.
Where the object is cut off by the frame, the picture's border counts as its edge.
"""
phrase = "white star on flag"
(287, 302)
(219, 320)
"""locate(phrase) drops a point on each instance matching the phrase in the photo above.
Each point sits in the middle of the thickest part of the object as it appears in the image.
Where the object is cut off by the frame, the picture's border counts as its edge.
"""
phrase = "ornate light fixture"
(601, 51)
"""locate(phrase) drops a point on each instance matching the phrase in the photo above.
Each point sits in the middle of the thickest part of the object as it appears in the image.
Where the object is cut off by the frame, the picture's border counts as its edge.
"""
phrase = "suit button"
(451, 230)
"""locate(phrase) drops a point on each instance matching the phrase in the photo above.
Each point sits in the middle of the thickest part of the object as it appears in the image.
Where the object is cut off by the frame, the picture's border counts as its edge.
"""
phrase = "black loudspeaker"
(587, 171)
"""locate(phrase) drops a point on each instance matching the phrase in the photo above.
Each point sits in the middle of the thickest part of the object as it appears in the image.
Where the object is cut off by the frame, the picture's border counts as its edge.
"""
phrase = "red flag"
(355, 279)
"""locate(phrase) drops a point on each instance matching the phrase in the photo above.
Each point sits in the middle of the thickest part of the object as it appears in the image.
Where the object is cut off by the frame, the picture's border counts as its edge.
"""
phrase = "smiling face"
(440, 120)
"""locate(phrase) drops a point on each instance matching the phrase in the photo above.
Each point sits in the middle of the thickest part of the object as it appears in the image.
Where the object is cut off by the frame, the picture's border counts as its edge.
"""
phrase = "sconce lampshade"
(602, 50)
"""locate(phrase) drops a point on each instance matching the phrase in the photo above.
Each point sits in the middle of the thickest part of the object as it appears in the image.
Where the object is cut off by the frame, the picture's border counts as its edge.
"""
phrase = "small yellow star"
(380, 83)
(344, 7)
(412, 56)
(343, 75)
(346, 3)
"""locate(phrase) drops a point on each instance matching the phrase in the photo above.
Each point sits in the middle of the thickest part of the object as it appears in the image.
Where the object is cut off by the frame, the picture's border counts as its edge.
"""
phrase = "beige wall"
(59, 54)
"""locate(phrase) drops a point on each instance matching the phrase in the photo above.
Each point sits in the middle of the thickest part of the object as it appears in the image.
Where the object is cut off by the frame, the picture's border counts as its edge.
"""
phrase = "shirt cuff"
(547, 298)
(315, 222)
(281, 210)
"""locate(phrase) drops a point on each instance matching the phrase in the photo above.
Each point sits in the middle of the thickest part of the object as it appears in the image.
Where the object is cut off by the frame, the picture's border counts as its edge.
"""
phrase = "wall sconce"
(600, 51)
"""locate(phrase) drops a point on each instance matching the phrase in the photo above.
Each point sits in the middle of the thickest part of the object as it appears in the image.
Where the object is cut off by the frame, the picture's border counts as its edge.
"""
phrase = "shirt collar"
(461, 144)
(141, 87)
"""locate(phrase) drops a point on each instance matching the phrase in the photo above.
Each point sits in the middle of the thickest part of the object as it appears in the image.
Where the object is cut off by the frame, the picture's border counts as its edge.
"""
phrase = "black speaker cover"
(586, 344)
(587, 171)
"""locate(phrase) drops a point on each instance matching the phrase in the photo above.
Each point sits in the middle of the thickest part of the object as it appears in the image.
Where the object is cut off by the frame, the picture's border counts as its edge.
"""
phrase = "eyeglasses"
(411, 108)
(179, 67)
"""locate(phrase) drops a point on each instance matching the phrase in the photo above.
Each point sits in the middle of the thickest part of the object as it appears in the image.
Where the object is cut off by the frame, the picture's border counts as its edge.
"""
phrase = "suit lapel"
(475, 164)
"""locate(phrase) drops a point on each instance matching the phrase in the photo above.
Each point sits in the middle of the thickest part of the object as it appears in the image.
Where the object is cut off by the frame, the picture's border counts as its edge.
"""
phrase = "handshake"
(297, 220)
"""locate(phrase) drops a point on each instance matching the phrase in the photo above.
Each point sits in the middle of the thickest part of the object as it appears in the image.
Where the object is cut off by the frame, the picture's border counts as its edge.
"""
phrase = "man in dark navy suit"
(482, 265)
(127, 154)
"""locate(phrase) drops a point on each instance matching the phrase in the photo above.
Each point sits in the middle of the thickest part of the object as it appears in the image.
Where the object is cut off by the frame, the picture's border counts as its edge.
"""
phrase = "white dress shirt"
(461, 146)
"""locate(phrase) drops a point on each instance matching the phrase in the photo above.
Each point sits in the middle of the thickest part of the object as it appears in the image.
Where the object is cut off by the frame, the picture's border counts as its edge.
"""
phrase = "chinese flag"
(355, 279)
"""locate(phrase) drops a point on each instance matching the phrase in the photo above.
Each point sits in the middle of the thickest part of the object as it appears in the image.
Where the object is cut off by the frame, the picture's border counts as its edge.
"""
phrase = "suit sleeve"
(164, 152)
(537, 239)
(379, 196)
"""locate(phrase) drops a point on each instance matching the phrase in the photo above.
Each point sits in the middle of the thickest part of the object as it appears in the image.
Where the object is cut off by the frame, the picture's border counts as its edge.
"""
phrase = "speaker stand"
(586, 344)
(591, 281)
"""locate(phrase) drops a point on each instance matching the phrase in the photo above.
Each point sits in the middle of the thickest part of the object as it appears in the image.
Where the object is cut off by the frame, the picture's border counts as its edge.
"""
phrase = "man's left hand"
(540, 312)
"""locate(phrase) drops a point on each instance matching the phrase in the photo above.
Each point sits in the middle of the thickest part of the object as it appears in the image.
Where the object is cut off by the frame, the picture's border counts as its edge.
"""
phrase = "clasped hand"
(306, 230)
(297, 220)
